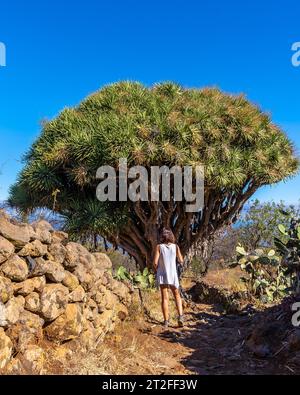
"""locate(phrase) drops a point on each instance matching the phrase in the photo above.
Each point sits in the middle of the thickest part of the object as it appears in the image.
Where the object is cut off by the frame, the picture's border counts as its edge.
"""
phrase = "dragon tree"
(166, 125)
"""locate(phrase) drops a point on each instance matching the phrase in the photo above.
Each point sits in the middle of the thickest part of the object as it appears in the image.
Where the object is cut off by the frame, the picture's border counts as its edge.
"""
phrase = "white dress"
(167, 271)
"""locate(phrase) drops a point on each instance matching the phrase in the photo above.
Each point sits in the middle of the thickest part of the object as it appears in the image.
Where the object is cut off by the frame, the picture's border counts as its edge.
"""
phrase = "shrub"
(144, 279)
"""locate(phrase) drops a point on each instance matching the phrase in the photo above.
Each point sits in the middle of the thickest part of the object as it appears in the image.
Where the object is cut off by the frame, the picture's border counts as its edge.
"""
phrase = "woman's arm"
(156, 258)
(179, 255)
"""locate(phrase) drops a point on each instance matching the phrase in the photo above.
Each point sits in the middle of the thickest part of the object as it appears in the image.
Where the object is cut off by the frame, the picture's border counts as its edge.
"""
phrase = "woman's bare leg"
(178, 300)
(165, 301)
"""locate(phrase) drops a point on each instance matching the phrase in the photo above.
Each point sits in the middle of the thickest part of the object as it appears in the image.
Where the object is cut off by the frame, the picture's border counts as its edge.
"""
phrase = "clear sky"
(60, 51)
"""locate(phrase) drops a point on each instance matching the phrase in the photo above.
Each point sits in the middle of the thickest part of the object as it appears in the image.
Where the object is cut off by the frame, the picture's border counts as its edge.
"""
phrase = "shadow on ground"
(252, 342)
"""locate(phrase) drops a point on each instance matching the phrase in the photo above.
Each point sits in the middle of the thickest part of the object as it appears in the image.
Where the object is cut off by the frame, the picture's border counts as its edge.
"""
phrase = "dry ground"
(211, 343)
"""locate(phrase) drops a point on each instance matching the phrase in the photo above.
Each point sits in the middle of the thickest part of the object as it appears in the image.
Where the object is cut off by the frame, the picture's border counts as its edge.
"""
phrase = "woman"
(167, 277)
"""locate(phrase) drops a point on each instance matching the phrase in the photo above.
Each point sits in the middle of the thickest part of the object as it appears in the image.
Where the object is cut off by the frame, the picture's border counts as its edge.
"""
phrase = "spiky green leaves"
(164, 125)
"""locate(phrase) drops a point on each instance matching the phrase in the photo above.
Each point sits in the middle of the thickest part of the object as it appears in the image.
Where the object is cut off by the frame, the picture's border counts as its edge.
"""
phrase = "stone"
(53, 270)
(80, 302)
(34, 249)
(97, 287)
(68, 326)
(12, 311)
(101, 265)
(33, 302)
(43, 231)
(6, 289)
(106, 300)
(122, 313)
(33, 359)
(3, 322)
(91, 310)
(32, 235)
(77, 254)
(70, 281)
(18, 235)
(110, 281)
(119, 289)
(32, 321)
(59, 237)
(42, 225)
(82, 264)
(103, 261)
(57, 252)
(98, 297)
(106, 278)
(105, 321)
(54, 299)
(26, 332)
(6, 249)
(39, 267)
(6, 348)
(84, 275)
(15, 268)
(88, 337)
(26, 287)
(31, 262)
(78, 295)
(264, 339)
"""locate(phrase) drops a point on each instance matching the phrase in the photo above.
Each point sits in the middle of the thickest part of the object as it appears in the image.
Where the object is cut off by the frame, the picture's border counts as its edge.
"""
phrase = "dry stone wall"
(52, 290)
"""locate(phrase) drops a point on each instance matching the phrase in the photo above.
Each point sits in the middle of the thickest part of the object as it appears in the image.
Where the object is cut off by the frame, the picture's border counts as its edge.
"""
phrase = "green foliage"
(290, 250)
(198, 266)
(89, 217)
(265, 277)
(123, 275)
(256, 228)
(163, 125)
(237, 143)
(143, 279)
(282, 230)
(261, 222)
(259, 279)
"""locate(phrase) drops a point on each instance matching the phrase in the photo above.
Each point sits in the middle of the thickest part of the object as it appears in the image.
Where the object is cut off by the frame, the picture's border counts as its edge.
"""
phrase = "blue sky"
(60, 51)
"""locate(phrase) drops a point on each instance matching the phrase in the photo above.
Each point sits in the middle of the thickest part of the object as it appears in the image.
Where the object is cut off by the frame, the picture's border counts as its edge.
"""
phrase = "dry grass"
(100, 362)
(229, 279)
(152, 307)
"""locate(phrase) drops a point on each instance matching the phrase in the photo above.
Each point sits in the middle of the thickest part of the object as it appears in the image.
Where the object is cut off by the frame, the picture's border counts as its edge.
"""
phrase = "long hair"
(167, 236)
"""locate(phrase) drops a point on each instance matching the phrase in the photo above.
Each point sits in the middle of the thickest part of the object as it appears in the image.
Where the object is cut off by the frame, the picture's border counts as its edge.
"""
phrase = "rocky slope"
(52, 291)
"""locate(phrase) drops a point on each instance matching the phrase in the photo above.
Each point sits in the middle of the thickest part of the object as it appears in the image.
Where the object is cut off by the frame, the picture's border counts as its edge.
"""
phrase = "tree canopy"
(239, 145)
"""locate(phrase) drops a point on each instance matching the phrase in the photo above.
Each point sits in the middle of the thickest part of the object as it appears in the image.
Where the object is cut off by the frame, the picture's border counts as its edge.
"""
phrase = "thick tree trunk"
(193, 232)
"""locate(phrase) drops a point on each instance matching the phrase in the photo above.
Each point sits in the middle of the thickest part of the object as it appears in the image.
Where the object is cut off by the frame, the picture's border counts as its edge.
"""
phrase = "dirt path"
(209, 344)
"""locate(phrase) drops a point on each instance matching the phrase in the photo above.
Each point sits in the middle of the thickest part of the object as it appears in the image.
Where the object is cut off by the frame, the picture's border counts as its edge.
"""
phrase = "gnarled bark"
(192, 231)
